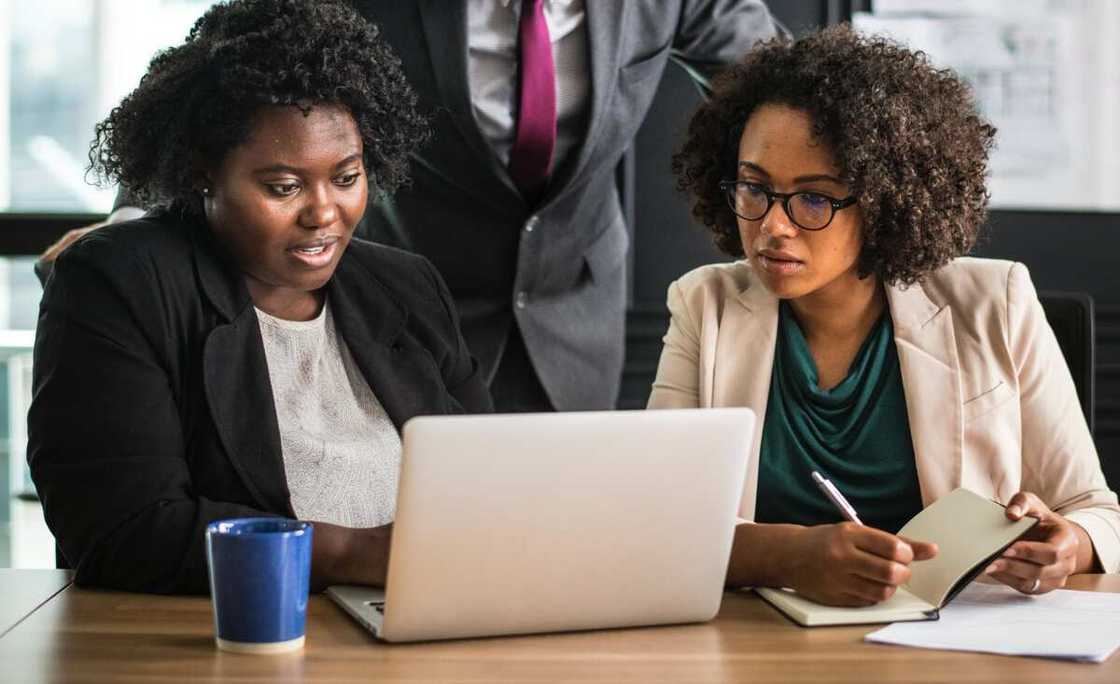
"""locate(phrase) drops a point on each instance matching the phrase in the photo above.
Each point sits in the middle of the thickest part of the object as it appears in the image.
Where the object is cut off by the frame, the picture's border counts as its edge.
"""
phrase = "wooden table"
(22, 591)
(86, 636)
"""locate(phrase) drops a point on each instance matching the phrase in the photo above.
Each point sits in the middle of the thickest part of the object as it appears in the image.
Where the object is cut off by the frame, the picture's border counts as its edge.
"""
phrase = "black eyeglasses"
(808, 210)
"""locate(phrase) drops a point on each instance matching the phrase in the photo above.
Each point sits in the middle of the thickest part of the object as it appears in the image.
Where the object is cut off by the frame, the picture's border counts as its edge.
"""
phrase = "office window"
(63, 65)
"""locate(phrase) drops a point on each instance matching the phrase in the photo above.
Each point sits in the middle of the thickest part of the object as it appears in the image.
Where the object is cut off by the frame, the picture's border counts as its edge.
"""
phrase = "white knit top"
(342, 453)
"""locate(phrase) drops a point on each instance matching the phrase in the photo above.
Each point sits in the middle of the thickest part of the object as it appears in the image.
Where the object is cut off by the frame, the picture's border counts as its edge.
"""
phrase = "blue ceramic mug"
(259, 574)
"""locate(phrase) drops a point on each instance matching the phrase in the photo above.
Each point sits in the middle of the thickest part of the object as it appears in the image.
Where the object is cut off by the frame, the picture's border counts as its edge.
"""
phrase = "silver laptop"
(515, 524)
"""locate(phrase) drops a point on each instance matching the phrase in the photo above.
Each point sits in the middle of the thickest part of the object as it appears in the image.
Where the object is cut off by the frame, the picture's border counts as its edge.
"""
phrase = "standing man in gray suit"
(534, 103)
(536, 261)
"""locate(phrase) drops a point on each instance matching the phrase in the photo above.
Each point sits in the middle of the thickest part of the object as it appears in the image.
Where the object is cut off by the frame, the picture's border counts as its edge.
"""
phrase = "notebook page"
(1072, 625)
(968, 529)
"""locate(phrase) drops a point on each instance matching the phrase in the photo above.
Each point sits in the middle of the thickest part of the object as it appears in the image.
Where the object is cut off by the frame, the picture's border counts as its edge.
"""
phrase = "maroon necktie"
(530, 158)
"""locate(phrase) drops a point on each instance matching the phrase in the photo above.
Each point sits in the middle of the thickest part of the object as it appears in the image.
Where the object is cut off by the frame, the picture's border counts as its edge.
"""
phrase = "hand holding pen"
(850, 564)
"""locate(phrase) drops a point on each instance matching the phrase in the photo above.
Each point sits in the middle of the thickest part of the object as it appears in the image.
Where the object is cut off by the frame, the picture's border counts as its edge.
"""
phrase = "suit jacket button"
(522, 299)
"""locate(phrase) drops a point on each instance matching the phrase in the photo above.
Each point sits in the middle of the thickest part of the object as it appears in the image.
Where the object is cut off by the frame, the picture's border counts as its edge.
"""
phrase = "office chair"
(1070, 314)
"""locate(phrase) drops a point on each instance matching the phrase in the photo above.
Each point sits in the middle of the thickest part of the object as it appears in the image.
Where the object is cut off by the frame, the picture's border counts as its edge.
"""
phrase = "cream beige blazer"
(991, 403)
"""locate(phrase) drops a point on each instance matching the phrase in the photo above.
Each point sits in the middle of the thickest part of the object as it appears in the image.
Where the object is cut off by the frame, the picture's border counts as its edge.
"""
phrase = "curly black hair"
(908, 140)
(197, 100)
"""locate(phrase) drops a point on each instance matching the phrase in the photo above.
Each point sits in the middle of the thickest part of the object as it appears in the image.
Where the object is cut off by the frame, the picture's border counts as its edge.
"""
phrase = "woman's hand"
(344, 555)
(1047, 555)
(853, 565)
(842, 565)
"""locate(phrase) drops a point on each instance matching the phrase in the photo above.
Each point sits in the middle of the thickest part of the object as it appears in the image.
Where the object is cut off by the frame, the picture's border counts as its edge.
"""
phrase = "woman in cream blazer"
(853, 193)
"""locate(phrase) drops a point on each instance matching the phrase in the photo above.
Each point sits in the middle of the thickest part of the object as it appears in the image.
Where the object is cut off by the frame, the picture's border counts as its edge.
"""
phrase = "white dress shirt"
(492, 70)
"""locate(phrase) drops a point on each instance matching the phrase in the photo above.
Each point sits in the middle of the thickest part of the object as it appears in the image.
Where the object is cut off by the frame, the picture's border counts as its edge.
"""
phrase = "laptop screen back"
(512, 524)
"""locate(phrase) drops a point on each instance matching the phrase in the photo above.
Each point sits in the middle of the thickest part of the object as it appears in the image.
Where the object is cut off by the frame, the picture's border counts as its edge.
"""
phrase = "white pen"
(836, 498)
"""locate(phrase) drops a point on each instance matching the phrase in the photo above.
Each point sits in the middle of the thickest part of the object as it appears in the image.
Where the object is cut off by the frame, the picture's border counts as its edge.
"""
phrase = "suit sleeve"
(678, 372)
(714, 33)
(106, 448)
(460, 369)
(1060, 461)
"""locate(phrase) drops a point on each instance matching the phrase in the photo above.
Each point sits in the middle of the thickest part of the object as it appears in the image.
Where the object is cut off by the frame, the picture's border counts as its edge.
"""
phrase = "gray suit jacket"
(555, 270)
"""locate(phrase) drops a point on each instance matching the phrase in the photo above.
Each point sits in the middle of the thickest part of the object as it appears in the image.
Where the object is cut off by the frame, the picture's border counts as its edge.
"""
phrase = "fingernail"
(1010, 553)
(1014, 510)
(990, 569)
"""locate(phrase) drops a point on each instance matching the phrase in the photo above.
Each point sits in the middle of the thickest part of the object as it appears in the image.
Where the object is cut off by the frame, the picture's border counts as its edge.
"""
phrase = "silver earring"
(205, 192)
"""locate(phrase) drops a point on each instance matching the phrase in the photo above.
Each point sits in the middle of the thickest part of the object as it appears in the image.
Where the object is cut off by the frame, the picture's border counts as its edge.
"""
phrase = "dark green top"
(856, 434)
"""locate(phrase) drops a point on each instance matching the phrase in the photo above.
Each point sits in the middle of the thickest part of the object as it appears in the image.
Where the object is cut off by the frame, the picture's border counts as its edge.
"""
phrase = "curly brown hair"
(198, 99)
(908, 140)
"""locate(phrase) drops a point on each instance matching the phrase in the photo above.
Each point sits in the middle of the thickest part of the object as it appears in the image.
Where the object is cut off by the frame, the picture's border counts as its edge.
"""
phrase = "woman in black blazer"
(154, 410)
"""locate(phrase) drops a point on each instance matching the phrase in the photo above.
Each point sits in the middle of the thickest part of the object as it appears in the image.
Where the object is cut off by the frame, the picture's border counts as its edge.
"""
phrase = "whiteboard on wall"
(1046, 73)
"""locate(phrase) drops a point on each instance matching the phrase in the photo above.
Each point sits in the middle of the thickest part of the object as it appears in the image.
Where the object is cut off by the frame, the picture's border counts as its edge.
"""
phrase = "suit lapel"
(445, 29)
(239, 393)
(605, 21)
(371, 322)
(927, 355)
(742, 377)
(236, 380)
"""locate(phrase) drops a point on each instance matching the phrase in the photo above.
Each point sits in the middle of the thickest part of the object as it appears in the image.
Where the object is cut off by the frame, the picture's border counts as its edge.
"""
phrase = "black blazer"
(153, 412)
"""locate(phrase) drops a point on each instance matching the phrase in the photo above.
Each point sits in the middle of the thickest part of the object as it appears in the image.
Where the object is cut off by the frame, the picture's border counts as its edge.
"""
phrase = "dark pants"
(516, 387)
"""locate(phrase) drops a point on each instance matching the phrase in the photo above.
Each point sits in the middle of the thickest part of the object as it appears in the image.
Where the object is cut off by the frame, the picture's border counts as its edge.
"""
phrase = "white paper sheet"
(1072, 625)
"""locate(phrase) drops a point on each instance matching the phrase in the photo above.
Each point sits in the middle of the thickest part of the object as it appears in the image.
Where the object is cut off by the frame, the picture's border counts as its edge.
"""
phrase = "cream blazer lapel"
(741, 366)
(927, 356)
(724, 338)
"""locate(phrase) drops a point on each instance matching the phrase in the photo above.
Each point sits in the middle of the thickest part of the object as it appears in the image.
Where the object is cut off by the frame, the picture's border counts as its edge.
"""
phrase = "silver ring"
(1035, 586)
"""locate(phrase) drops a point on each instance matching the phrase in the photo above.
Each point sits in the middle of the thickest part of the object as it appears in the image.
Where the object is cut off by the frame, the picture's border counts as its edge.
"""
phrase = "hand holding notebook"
(965, 549)
(1044, 558)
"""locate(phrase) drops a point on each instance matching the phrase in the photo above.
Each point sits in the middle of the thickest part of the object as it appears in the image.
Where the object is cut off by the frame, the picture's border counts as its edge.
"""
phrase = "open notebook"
(970, 532)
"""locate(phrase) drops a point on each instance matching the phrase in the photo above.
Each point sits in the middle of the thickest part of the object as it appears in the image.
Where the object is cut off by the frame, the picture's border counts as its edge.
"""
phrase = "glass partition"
(63, 66)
